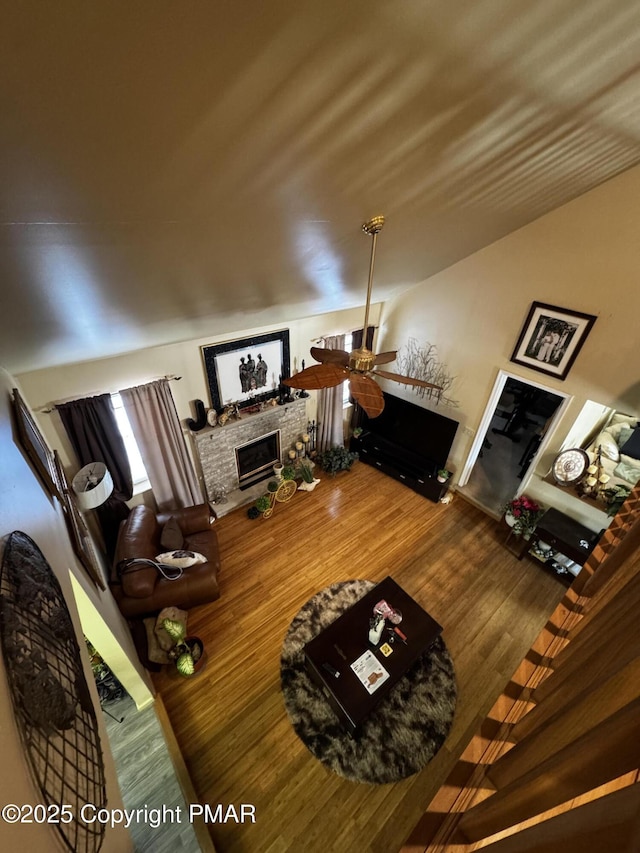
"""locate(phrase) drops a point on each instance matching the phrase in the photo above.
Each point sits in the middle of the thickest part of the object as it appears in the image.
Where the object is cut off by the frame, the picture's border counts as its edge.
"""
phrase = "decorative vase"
(277, 470)
(510, 519)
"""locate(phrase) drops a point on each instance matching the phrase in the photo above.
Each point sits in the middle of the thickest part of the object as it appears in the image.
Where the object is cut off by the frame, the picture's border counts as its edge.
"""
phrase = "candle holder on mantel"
(311, 434)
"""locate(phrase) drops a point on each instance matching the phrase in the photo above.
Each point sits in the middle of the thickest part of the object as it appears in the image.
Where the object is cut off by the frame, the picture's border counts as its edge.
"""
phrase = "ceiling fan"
(337, 365)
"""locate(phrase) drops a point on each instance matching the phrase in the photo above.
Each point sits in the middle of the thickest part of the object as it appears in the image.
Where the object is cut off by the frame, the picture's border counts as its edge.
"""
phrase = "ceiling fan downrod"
(362, 359)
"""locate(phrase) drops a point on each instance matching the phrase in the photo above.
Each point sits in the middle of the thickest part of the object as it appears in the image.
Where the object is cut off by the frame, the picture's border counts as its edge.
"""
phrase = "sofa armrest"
(191, 518)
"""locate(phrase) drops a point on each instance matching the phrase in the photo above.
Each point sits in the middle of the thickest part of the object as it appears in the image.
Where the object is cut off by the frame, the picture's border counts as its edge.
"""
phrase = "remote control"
(330, 669)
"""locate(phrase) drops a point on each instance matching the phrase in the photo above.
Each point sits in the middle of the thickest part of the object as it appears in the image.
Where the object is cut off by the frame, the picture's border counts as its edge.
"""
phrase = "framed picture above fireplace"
(246, 370)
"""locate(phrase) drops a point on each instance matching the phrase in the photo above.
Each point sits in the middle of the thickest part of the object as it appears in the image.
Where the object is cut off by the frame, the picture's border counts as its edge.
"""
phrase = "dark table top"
(346, 639)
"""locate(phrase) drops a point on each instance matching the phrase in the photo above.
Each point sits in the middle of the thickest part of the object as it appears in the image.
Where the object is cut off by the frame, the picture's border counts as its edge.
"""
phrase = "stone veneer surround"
(216, 445)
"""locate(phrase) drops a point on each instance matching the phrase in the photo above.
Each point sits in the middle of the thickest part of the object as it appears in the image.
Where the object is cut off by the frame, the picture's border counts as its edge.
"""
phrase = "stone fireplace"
(217, 446)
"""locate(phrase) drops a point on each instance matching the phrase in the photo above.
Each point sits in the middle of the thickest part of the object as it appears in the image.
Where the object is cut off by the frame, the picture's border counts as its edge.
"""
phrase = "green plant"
(263, 503)
(306, 472)
(288, 472)
(272, 486)
(614, 497)
(336, 459)
(444, 473)
(253, 512)
(357, 432)
(187, 651)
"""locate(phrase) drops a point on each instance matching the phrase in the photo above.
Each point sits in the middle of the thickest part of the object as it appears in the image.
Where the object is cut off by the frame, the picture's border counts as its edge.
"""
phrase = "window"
(348, 343)
(138, 472)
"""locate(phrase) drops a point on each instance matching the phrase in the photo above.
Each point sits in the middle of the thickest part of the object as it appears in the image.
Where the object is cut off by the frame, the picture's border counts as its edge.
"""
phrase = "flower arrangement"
(522, 514)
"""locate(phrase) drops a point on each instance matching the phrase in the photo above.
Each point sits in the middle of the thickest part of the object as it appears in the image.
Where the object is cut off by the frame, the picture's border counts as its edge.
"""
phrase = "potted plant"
(443, 475)
(522, 514)
(263, 503)
(188, 652)
(336, 459)
(309, 482)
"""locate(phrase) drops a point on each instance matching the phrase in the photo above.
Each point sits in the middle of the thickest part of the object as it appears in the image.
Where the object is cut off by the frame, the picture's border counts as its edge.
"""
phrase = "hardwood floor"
(230, 721)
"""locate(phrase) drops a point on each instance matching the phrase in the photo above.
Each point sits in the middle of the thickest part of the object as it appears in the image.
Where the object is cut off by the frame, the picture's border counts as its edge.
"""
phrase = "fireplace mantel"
(215, 446)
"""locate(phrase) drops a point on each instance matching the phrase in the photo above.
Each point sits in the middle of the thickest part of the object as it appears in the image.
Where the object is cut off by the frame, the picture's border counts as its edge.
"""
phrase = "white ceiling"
(178, 169)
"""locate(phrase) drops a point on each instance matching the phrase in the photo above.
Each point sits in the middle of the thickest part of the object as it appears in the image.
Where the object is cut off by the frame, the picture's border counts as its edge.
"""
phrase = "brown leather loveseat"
(142, 590)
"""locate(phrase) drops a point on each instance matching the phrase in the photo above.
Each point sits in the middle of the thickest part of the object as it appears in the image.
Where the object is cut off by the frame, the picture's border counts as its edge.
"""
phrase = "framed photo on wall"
(551, 339)
(34, 445)
(248, 369)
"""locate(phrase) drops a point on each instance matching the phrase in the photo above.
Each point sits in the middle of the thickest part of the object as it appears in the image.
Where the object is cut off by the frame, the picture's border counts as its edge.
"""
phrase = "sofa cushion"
(139, 535)
(171, 537)
(138, 579)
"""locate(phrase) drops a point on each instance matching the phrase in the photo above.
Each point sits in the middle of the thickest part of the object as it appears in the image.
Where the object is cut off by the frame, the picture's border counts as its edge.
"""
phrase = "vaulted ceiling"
(171, 169)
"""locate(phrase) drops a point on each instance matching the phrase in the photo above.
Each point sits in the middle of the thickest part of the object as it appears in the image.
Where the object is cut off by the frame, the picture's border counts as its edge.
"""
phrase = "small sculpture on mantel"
(302, 394)
(284, 393)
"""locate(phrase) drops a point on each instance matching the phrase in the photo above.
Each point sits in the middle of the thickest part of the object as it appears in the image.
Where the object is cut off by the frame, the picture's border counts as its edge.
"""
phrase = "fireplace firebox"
(255, 459)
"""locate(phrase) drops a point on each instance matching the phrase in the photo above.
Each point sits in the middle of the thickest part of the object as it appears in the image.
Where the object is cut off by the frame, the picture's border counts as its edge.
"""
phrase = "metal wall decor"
(51, 699)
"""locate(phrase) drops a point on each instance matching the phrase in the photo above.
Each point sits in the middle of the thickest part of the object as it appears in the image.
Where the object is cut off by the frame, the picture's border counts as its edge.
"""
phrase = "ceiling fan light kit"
(357, 367)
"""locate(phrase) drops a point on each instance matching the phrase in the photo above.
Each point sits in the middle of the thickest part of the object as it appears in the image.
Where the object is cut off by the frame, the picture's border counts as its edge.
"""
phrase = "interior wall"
(42, 387)
(25, 506)
(584, 256)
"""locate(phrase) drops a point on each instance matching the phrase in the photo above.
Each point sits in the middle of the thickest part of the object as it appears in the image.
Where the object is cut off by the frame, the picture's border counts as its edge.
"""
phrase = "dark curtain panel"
(356, 337)
(94, 435)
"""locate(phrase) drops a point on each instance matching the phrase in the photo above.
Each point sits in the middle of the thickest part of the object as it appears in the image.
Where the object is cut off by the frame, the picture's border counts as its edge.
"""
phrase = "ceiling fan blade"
(332, 356)
(317, 376)
(385, 357)
(368, 394)
(406, 380)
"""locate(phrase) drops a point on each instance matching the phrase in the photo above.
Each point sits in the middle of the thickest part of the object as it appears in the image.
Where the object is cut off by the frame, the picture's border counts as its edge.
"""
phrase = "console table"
(565, 536)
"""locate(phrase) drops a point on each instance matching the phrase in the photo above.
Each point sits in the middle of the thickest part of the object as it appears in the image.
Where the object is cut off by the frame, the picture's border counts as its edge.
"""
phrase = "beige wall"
(584, 256)
(42, 387)
(25, 506)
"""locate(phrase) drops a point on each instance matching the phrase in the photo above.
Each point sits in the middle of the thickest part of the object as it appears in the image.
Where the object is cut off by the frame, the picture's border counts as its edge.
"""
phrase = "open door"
(516, 425)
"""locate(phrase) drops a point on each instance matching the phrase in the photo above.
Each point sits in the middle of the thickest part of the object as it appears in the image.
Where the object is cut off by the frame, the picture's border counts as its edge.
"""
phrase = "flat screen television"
(420, 431)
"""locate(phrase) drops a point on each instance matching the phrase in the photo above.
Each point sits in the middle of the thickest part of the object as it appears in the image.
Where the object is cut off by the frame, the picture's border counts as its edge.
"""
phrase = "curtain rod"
(51, 407)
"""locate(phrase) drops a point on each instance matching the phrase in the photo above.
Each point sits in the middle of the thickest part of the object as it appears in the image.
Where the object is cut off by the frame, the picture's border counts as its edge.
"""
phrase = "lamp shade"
(92, 485)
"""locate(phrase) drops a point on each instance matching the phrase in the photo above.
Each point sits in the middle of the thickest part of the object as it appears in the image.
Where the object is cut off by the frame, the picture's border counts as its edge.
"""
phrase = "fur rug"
(406, 728)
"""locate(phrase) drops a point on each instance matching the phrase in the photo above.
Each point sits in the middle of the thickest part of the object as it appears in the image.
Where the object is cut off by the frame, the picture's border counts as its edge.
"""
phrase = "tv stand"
(412, 470)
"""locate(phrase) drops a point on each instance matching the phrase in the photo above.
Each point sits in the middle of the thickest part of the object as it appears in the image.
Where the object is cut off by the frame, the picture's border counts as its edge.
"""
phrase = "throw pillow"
(631, 447)
(607, 443)
(171, 537)
(181, 559)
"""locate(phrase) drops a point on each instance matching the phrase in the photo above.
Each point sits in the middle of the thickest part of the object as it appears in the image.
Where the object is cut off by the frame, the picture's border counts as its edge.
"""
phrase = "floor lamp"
(92, 485)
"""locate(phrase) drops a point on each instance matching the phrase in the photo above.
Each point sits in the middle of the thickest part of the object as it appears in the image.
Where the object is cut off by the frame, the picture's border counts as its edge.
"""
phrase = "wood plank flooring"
(230, 721)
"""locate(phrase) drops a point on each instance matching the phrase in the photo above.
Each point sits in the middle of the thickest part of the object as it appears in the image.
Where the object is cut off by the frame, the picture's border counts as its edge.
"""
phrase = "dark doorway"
(516, 430)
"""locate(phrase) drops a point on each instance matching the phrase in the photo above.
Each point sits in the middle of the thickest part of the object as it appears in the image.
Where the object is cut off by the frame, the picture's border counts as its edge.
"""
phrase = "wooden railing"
(561, 773)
